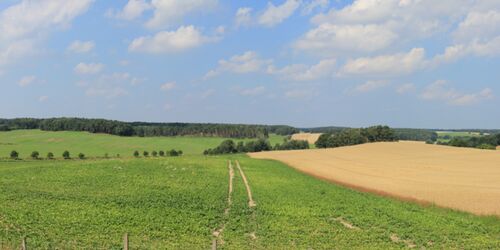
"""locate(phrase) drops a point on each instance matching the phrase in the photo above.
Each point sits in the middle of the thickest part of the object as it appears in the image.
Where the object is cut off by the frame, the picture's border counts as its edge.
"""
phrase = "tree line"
(482, 142)
(230, 147)
(356, 136)
(144, 129)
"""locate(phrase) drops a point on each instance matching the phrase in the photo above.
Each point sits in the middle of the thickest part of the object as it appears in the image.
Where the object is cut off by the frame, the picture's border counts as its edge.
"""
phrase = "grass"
(176, 203)
(94, 145)
(452, 134)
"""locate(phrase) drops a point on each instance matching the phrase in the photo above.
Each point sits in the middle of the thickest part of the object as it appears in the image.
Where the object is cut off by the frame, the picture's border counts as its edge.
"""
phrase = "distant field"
(27, 141)
(309, 137)
(460, 178)
(178, 203)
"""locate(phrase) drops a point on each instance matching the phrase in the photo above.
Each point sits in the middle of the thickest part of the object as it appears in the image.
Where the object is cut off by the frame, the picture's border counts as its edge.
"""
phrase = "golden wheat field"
(309, 137)
(460, 178)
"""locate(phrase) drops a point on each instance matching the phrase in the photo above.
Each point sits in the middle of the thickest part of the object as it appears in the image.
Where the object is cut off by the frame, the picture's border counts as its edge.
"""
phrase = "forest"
(356, 136)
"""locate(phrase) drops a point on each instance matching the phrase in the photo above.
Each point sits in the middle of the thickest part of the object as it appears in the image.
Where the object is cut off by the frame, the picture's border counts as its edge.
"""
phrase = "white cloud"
(248, 62)
(132, 10)
(27, 80)
(111, 85)
(184, 38)
(43, 98)
(334, 39)
(440, 90)
(168, 13)
(168, 86)
(313, 5)
(81, 47)
(396, 64)
(370, 85)
(300, 72)
(482, 26)
(274, 15)
(88, 68)
(243, 16)
(25, 24)
(405, 88)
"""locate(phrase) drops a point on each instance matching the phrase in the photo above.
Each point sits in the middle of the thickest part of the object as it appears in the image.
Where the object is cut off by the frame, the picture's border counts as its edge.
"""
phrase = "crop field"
(309, 137)
(459, 178)
(96, 145)
(190, 201)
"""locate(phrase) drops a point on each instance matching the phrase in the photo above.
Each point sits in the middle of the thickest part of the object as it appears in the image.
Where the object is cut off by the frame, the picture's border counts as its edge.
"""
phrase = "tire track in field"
(218, 232)
(251, 202)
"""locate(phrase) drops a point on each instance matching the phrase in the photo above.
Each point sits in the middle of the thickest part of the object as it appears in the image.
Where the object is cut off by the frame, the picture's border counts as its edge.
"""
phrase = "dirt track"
(460, 178)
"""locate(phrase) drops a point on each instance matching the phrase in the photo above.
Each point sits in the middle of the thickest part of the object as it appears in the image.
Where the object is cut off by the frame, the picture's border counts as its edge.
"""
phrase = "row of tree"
(348, 137)
(482, 142)
(145, 129)
(36, 155)
(160, 153)
(410, 134)
(230, 147)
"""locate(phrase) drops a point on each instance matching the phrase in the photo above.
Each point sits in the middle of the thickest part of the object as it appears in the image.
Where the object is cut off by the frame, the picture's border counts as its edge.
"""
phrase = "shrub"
(154, 153)
(162, 153)
(173, 153)
(136, 153)
(106, 155)
(14, 155)
(50, 155)
(35, 155)
(66, 155)
(145, 153)
(81, 156)
(487, 146)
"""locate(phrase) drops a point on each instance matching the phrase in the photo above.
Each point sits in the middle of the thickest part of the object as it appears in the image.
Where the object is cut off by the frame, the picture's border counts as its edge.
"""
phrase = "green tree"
(14, 155)
(145, 153)
(66, 155)
(50, 155)
(136, 153)
(162, 153)
(154, 153)
(35, 155)
(81, 156)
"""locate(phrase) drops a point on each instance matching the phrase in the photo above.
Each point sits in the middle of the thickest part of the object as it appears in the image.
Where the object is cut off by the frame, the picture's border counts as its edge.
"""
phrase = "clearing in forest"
(460, 178)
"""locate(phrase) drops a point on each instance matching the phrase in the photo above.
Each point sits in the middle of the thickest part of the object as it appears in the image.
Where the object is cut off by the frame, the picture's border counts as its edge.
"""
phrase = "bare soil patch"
(309, 137)
(251, 202)
(459, 178)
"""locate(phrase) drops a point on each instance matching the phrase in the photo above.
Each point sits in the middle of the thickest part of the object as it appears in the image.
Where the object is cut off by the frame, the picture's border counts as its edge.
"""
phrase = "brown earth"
(460, 178)
(309, 137)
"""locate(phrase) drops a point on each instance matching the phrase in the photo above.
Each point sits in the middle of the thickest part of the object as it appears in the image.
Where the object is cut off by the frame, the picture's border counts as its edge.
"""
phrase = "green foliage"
(14, 154)
(229, 147)
(66, 155)
(35, 155)
(349, 137)
(292, 145)
(487, 146)
(145, 153)
(481, 142)
(154, 153)
(162, 153)
(136, 153)
(81, 156)
(408, 134)
(50, 155)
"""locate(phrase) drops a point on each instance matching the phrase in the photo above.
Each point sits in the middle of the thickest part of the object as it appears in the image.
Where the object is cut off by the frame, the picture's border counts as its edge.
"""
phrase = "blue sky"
(404, 63)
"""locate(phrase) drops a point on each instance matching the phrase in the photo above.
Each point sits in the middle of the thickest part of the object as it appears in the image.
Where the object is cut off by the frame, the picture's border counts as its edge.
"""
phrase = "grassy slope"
(27, 141)
(178, 202)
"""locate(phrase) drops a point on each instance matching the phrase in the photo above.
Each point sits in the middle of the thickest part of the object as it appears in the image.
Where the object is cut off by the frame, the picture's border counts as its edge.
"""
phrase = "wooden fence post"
(23, 244)
(125, 242)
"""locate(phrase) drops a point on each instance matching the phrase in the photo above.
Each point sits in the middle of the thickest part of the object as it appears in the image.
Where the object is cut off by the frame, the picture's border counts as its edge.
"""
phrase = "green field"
(94, 145)
(178, 202)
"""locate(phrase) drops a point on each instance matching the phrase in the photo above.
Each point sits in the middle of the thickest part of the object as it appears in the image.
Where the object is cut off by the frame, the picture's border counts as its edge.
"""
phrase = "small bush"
(487, 146)
(162, 153)
(81, 156)
(136, 153)
(35, 155)
(66, 155)
(14, 155)
(50, 155)
(145, 153)
(154, 153)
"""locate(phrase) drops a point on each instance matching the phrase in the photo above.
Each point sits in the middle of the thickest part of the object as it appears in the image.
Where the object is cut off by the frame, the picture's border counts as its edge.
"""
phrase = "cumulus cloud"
(110, 86)
(274, 15)
(168, 13)
(27, 80)
(184, 38)
(132, 10)
(88, 68)
(313, 5)
(370, 86)
(25, 24)
(243, 16)
(81, 47)
(395, 64)
(300, 72)
(248, 62)
(168, 86)
(441, 91)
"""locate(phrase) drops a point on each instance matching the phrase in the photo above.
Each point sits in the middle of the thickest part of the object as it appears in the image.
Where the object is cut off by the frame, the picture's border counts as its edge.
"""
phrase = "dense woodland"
(356, 136)
(229, 147)
(482, 142)
(145, 129)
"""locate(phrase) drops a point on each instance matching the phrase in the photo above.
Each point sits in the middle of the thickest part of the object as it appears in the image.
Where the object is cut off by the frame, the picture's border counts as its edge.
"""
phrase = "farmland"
(96, 145)
(309, 137)
(182, 203)
(465, 179)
